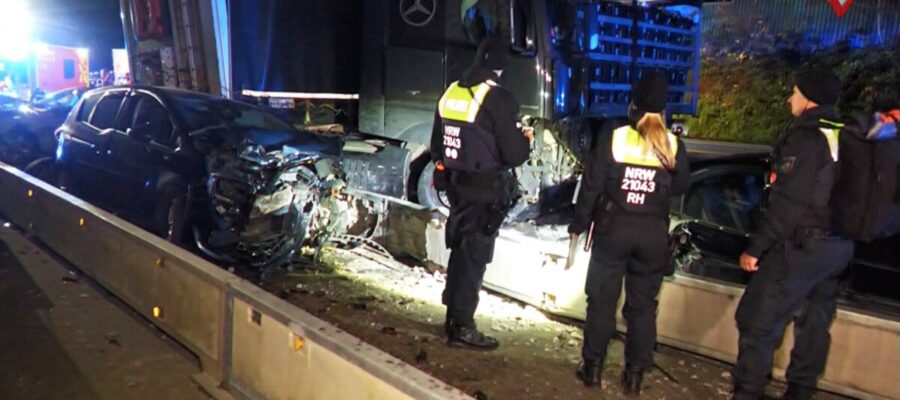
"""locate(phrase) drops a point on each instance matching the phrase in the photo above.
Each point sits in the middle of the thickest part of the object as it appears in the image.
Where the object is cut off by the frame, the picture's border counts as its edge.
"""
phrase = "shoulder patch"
(787, 165)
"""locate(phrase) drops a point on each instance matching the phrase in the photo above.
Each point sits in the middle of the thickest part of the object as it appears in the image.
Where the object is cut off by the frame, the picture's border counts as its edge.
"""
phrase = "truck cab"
(573, 66)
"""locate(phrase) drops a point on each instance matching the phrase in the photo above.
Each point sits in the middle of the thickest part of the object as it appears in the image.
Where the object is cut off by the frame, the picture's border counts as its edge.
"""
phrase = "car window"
(87, 106)
(200, 112)
(66, 97)
(151, 120)
(104, 115)
(727, 199)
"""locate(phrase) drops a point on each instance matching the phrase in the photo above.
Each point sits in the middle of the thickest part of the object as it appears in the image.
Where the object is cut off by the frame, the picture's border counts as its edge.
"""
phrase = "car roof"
(158, 90)
(748, 159)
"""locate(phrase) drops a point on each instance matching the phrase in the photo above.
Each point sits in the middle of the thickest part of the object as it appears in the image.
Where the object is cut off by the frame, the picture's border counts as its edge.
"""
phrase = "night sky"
(94, 24)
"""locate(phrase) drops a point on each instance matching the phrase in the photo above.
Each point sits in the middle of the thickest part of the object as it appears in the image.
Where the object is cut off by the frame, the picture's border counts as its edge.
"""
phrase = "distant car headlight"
(26, 109)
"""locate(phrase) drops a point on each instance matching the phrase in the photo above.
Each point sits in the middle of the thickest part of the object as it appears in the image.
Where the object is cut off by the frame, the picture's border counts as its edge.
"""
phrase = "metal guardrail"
(250, 343)
(697, 315)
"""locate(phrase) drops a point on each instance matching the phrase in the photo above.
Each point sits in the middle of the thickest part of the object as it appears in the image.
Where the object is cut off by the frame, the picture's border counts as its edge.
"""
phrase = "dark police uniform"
(800, 261)
(625, 191)
(476, 138)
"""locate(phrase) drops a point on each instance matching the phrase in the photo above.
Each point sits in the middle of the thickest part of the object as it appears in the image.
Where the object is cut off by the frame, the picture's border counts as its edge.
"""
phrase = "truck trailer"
(375, 69)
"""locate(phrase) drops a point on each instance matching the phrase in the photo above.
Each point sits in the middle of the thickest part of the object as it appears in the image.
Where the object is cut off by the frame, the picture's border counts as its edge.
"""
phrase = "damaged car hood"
(301, 143)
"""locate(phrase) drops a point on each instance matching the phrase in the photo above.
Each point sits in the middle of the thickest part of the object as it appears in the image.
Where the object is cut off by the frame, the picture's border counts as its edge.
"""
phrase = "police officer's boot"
(588, 372)
(631, 380)
(468, 336)
(797, 392)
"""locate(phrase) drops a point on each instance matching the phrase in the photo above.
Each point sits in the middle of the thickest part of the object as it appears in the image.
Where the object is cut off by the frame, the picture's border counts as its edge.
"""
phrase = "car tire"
(170, 218)
(47, 170)
(18, 148)
(428, 195)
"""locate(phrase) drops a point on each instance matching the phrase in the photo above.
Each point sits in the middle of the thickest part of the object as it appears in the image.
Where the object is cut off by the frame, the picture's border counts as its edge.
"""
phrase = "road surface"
(63, 337)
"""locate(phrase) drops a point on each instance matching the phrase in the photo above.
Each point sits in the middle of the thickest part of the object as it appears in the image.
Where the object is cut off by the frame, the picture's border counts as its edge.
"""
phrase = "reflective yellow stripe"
(458, 104)
(832, 136)
(475, 105)
(629, 147)
(832, 123)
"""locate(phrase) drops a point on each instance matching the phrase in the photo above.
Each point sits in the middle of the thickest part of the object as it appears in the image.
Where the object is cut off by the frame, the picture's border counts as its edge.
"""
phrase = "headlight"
(26, 109)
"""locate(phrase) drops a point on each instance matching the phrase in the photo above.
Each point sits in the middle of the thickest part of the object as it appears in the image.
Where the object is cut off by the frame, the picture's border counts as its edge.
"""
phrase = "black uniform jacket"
(602, 177)
(804, 172)
(498, 114)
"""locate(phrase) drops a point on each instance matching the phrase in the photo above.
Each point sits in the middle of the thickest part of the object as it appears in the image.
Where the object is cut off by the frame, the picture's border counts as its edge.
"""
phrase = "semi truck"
(374, 70)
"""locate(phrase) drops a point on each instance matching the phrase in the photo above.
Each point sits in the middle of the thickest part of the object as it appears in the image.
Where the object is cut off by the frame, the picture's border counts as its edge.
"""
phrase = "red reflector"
(886, 117)
(439, 166)
(772, 177)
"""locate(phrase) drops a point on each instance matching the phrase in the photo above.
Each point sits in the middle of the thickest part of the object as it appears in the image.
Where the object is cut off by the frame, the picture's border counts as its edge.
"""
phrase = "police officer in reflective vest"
(625, 191)
(794, 258)
(475, 143)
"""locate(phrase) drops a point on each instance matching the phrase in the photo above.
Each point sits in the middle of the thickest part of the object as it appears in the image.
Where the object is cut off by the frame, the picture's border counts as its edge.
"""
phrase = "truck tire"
(428, 195)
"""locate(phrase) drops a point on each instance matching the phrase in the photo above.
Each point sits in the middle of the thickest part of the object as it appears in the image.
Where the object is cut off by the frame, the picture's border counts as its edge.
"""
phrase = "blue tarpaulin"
(296, 45)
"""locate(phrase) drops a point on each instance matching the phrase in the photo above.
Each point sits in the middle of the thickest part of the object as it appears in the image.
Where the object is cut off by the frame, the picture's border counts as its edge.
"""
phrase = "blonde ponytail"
(655, 133)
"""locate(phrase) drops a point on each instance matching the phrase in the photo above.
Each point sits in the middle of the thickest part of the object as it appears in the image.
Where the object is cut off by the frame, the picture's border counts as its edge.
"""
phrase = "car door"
(875, 272)
(83, 147)
(720, 208)
(139, 150)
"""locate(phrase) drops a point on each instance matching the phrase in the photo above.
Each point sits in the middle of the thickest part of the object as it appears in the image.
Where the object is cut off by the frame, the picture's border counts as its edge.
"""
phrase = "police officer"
(794, 258)
(625, 191)
(476, 141)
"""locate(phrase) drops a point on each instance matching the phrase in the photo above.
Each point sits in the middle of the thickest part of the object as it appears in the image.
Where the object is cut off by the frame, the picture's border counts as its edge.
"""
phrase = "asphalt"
(64, 337)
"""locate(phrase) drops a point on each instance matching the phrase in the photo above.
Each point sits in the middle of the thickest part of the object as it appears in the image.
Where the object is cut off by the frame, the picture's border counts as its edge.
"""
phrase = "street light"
(15, 30)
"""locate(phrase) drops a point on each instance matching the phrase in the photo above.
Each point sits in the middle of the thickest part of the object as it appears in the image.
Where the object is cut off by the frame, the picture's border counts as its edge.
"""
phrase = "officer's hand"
(749, 263)
(528, 132)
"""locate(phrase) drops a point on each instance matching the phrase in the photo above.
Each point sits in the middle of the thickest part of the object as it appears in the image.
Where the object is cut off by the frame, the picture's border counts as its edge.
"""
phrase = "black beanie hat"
(492, 54)
(650, 93)
(819, 85)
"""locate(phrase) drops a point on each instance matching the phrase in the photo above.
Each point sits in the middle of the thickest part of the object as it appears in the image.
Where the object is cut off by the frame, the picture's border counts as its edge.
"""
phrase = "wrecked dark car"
(26, 129)
(715, 217)
(233, 180)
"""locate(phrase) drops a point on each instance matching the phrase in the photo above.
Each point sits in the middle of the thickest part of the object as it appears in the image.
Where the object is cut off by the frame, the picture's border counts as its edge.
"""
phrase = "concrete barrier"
(694, 314)
(250, 344)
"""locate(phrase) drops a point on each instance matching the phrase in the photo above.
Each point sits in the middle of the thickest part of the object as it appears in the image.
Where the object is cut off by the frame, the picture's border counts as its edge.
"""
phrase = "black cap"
(492, 54)
(819, 85)
(650, 93)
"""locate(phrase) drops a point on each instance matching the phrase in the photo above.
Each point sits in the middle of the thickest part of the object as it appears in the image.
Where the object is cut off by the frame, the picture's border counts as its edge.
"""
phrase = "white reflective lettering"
(458, 105)
(451, 130)
(635, 198)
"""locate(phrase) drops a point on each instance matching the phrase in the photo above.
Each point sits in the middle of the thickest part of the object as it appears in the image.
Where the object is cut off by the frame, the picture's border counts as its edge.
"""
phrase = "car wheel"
(18, 148)
(170, 215)
(428, 195)
(44, 169)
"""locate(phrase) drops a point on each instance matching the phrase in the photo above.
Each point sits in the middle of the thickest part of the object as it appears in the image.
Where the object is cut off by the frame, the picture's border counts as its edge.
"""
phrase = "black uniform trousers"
(798, 278)
(471, 249)
(636, 249)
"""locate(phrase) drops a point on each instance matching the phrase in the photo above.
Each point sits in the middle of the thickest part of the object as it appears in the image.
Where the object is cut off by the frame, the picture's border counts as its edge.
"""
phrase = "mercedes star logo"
(418, 13)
